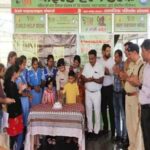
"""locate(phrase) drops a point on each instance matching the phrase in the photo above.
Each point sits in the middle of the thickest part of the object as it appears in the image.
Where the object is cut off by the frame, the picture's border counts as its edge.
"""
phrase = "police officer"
(132, 106)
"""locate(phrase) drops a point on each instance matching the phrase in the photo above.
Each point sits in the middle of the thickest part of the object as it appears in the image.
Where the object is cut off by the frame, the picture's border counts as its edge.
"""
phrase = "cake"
(57, 105)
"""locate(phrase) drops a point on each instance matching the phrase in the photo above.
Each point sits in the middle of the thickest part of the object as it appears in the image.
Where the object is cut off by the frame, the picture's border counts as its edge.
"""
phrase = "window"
(6, 33)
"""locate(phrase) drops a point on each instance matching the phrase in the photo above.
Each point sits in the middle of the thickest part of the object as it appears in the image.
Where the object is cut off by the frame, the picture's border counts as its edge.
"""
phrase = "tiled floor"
(102, 143)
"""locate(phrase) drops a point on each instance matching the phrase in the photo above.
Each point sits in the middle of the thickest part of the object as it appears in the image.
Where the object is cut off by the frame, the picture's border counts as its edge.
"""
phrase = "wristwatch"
(140, 86)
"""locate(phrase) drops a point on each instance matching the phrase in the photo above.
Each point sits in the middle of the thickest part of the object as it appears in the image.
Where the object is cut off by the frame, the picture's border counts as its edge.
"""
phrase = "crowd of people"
(108, 84)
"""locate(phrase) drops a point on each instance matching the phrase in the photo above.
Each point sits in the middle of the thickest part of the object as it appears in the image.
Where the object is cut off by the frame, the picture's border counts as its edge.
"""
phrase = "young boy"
(72, 95)
(71, 89)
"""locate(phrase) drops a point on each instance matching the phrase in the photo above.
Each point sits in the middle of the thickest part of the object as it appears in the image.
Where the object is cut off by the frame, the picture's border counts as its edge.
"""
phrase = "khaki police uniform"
(132, 108)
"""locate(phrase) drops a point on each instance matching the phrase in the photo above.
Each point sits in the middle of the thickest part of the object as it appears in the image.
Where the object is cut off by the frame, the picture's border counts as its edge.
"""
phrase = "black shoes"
(123, 144)
(103, 132)
(116, 139)
(91, 136)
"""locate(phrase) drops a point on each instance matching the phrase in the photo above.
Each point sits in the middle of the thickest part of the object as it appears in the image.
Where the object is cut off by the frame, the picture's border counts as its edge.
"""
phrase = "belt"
(145, 106)
(92, 91)
(131, 94)
(119, 92)
(111, 85)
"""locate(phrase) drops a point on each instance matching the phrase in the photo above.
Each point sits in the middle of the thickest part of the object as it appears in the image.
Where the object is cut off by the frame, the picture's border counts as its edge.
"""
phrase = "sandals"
(51, 141)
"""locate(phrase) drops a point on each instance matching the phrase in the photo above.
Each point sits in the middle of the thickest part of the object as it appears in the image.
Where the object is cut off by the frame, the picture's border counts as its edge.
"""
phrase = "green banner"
(96, 23)
(29, 23)
(80, 3)
(130, 23)
(88, 42)
(63, 23)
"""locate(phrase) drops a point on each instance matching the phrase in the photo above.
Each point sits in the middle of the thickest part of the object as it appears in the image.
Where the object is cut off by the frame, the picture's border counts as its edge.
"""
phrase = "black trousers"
(145, 123)
(124, 99)
(107, 102)
(13, 139)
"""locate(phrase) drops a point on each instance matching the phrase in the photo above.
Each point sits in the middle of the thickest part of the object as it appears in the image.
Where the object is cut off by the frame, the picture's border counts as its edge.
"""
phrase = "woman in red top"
(15, 120)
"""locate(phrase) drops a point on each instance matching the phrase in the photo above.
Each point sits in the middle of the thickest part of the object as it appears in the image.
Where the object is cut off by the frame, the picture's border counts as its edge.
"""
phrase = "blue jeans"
(16, 142)
(119, 114)
(25, 109)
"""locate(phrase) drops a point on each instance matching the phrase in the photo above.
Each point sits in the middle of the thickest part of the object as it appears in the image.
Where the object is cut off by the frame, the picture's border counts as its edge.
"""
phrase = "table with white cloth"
(44, 120)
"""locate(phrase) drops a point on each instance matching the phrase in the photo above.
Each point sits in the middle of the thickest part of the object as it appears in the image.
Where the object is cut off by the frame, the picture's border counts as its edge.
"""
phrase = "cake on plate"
(57, 105)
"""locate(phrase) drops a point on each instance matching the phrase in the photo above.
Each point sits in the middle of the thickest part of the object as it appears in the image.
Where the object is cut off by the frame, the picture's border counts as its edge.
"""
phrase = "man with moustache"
(120, 124)
(127, 63)
(107, 91)
(128, 60)
(132, 105)
(123, 75)
(144, 94)
(93, 74)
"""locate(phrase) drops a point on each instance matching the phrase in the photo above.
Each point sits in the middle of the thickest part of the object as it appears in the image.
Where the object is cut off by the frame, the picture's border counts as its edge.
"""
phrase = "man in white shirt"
(144, 95)
(107, 90)
(93, 74)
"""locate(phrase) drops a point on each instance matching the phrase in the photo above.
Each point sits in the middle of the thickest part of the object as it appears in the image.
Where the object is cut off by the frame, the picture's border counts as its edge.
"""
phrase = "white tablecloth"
(44, 120)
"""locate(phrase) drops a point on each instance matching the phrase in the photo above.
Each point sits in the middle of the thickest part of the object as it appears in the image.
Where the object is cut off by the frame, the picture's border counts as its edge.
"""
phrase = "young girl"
(50, 70)
(22, 81)
(61, 77)
(11, 58)
(25, 94)
(35, 78)
(15, 120)
(49, 96)
(49, 93)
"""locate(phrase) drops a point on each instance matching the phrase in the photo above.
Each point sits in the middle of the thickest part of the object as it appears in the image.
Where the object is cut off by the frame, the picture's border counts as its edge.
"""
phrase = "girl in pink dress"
(49, 96)
(49, 93)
